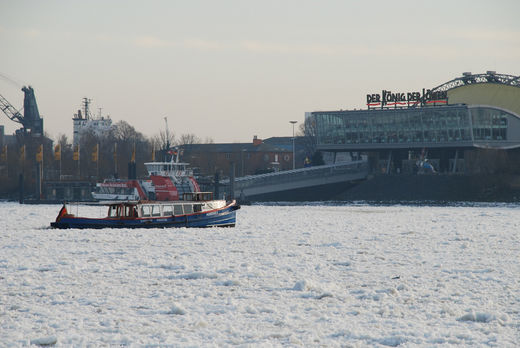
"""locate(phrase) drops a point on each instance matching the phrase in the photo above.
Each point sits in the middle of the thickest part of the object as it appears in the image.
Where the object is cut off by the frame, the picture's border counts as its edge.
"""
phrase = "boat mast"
(86, 104)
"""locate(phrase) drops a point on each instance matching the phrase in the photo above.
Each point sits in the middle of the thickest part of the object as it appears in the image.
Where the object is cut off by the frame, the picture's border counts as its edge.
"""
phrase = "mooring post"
(232, 181)
(216, 181)
(455, 161)
(38, 181)
(20, 188)
(389, 161)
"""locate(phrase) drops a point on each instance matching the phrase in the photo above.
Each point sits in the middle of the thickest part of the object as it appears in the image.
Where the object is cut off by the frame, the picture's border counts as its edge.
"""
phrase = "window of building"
(439, 124)
(489, 124)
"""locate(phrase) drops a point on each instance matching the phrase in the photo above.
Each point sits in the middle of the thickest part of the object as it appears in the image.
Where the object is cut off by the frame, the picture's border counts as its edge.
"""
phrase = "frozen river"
(352, 275)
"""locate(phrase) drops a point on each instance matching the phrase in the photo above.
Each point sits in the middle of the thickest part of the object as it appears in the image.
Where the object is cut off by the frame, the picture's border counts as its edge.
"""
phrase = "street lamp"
(293, 150)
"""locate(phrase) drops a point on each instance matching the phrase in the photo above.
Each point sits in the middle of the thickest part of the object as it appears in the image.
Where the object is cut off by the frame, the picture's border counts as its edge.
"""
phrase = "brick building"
(249, 158)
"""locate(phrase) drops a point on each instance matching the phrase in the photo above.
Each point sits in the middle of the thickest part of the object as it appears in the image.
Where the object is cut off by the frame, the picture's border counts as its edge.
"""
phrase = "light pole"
(293, 150)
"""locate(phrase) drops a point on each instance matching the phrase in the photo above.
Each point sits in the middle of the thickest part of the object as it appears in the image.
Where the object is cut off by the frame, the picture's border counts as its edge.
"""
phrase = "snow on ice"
(310, 275)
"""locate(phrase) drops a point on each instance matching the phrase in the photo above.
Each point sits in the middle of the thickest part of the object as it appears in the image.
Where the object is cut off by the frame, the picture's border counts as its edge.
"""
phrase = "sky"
(232, 69)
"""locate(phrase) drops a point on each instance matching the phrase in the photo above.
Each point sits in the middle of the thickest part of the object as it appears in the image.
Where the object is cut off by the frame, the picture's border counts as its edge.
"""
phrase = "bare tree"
(63, 141)
(124, 132)
(163, 140)
(188, 139)
(307, 138)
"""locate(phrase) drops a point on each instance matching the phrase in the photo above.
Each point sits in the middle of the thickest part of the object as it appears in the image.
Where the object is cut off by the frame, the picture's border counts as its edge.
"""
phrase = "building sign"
(389, 99)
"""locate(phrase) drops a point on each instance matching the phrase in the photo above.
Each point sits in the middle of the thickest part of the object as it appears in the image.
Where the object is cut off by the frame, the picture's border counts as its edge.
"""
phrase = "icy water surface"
(308, 275)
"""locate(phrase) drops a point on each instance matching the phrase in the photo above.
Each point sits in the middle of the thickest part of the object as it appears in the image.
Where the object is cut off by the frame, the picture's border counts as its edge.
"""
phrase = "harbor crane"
(32, 123)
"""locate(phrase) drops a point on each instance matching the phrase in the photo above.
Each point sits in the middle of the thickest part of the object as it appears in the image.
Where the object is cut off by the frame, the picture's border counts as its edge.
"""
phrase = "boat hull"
(225, 217)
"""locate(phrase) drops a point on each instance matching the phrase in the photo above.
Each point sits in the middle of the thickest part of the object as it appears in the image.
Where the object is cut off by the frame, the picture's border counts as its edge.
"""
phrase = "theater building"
(460, 126)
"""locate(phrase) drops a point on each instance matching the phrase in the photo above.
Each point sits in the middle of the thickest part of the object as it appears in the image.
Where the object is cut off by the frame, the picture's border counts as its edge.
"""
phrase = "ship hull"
(224, 217)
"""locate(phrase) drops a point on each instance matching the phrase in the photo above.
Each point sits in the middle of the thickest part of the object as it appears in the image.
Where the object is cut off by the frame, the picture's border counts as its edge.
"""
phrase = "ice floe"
(306, 275)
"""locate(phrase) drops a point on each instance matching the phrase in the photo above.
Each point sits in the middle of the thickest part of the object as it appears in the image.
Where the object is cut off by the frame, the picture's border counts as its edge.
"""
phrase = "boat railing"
(168, 169)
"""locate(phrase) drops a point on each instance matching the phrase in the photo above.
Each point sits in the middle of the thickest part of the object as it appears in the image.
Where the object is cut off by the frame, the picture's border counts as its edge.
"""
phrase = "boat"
(167, 181)
(197, 209)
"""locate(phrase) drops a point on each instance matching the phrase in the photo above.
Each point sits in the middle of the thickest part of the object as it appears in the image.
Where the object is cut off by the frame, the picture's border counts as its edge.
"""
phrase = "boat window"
(130, 211)
(146, 210)
(112, 211)
(167, 210)
(177, 209)
(156, 210)
(188, 209)
(197, 208)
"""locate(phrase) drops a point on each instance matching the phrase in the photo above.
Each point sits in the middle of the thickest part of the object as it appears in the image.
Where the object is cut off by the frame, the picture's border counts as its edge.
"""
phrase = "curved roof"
(468, 78)
(499, 90)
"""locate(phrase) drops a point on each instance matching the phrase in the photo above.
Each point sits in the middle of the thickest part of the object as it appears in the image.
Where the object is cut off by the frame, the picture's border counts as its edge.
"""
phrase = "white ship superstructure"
(84, 121)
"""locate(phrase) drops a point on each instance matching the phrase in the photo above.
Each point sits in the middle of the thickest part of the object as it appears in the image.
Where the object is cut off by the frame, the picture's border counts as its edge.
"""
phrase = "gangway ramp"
(305, 183)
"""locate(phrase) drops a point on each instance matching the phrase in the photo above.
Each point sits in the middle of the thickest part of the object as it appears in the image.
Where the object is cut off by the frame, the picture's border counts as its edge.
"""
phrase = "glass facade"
(489, 124)
(445, 124)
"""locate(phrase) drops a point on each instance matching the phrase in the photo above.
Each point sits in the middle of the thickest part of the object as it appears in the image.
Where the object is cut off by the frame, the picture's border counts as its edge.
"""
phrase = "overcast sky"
(229, 70)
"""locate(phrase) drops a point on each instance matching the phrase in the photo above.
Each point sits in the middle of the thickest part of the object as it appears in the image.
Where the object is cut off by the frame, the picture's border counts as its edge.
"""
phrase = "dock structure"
(304, 184)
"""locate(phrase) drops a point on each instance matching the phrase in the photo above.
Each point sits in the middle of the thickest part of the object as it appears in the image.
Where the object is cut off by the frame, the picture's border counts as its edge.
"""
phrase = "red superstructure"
(168, 181)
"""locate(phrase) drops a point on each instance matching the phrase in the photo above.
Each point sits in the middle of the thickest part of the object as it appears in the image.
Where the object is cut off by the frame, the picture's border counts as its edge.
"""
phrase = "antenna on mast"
(86, 104)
